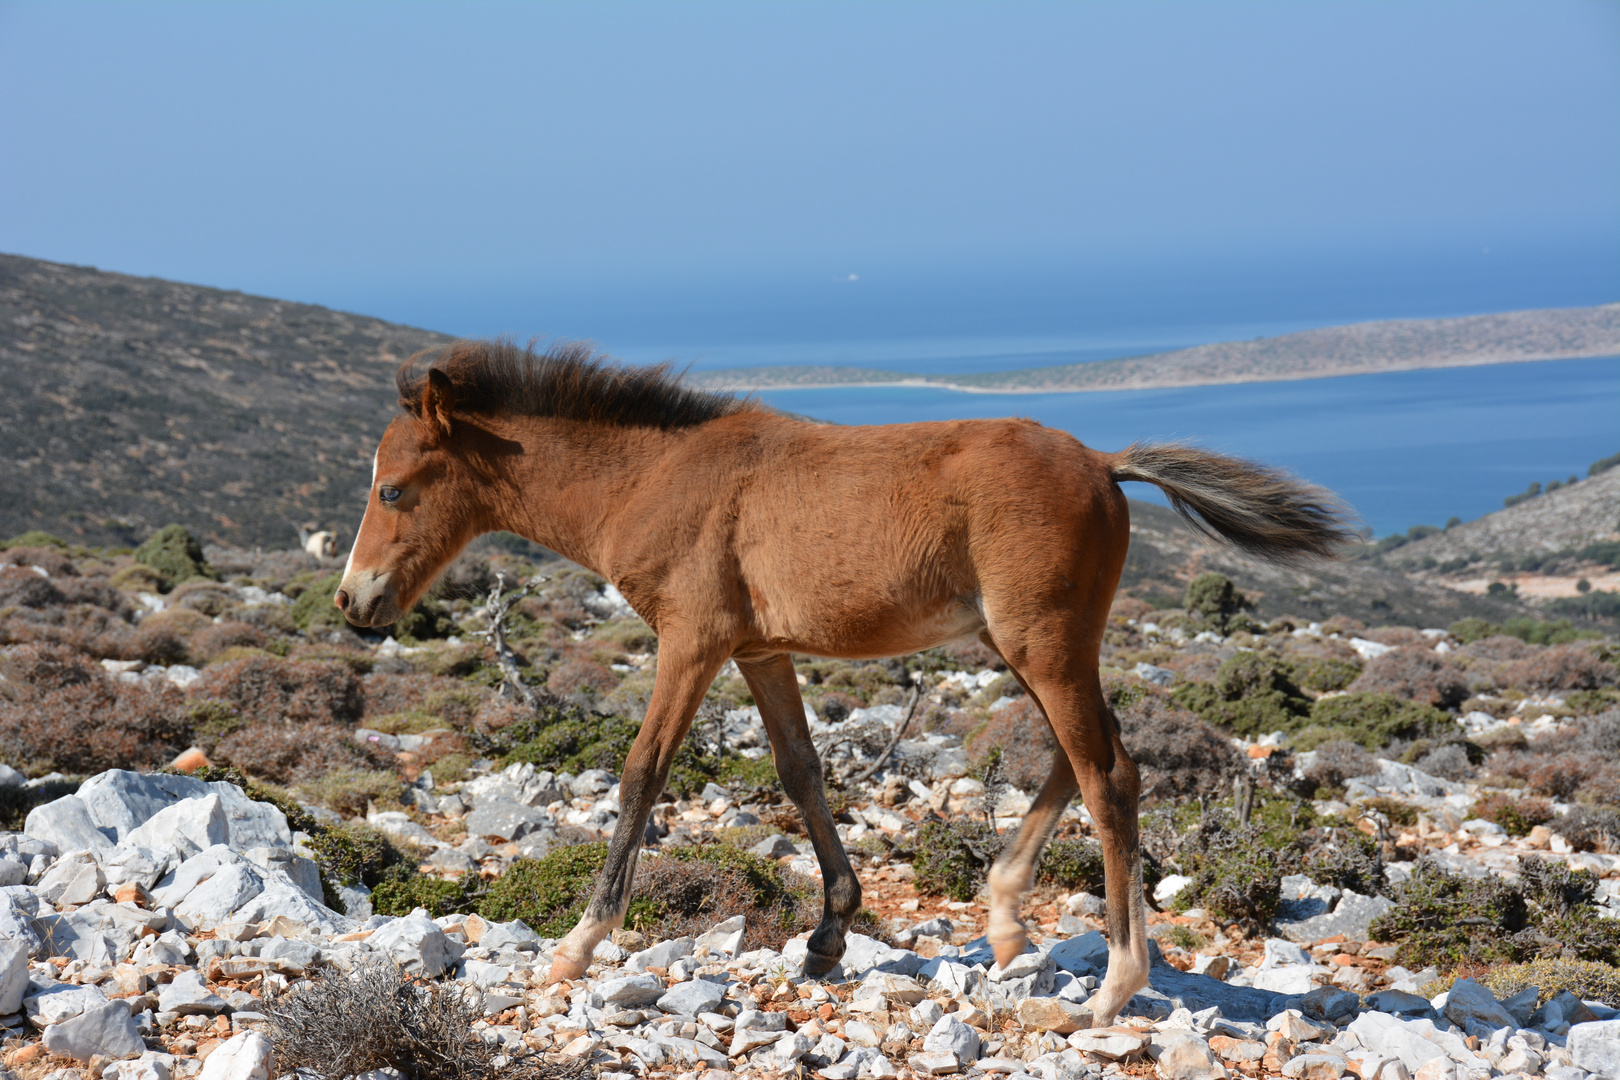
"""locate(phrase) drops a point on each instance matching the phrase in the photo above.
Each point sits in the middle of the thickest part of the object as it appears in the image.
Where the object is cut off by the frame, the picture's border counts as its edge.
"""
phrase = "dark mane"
(569, 381)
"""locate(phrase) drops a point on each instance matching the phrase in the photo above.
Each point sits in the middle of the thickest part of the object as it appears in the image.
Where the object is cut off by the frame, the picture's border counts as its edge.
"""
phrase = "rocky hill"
(1573, 516)
(1360, 349)
(132, 402)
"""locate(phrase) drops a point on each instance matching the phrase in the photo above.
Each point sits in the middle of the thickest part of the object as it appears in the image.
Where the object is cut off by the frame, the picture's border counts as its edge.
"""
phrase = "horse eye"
(388, 494)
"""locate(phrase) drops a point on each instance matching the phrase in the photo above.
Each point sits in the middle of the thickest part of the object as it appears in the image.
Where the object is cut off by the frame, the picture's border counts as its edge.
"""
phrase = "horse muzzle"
(367, 598)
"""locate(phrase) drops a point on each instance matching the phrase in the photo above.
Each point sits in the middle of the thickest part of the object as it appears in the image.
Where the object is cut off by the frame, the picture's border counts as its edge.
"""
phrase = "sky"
(646, 169)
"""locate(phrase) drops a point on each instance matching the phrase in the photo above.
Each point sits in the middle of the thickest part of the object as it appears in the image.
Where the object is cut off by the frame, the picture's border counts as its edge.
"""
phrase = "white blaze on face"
(350, 564)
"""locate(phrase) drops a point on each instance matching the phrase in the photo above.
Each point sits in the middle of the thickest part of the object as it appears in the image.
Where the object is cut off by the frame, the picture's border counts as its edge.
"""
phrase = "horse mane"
(570, 381)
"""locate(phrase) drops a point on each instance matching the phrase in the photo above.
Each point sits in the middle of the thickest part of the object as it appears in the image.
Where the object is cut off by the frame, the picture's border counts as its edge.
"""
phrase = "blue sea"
(1405, 448)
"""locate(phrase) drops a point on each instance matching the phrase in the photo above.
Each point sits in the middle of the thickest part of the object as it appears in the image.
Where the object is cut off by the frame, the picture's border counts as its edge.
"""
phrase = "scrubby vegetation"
(1445, 918)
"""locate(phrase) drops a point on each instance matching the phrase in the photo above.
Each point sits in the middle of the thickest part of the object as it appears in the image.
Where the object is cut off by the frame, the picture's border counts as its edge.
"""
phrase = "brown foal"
(740, 533)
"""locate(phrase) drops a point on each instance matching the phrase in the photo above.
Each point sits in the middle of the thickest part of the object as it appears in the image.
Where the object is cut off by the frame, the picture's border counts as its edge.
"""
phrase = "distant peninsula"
(1357, 349)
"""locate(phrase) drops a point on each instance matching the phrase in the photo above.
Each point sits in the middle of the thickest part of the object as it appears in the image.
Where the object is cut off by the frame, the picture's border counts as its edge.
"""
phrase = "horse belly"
(855, 627)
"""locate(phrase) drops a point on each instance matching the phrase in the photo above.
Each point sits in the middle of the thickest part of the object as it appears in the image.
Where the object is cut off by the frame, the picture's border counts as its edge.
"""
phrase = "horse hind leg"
(1013, 874)
(1088, 737)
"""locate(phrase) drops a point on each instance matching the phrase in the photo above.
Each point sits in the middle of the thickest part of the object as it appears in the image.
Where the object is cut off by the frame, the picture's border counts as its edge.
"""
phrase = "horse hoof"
(1009, 948)
(819, 964)
(564, 970)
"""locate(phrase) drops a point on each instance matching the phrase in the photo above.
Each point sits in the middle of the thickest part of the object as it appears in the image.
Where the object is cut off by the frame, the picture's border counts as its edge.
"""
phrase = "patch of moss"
(173, 552)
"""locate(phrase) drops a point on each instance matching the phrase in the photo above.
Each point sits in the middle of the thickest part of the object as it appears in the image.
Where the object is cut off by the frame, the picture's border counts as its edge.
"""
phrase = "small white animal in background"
(322, 545)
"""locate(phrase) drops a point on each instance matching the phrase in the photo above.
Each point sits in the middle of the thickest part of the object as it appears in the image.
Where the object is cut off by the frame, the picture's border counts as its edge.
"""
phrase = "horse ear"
(438, 404)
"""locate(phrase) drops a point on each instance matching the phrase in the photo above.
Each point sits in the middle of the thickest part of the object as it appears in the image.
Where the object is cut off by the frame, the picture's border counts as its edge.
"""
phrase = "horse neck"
(562, 489)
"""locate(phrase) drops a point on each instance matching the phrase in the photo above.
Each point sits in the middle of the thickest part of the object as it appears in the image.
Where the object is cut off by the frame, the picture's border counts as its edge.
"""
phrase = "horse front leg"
(683, 678)
(776, 691)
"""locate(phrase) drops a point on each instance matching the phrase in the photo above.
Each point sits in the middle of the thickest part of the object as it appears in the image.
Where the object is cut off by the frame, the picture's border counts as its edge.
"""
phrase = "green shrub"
(677, 891)
(562, 737)
(403, 889)
(173, 552)
(1215, 604)
(951, 858)
(1321, 673)
(314, 609)
(1370, 719)
(1472, 629)
(1075, 865)
(356, 854)
(429, 619)
(1443, 918)
(17, 802)
(1352, 860)
(1253, 693)
(34, 538)
(351, 792)
(1237, 876)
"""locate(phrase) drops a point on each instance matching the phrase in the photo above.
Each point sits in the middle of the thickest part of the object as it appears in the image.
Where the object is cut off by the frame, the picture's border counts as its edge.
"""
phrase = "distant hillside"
(1165, 554)
(132, 402)
(1572, 517)
(1360, 349)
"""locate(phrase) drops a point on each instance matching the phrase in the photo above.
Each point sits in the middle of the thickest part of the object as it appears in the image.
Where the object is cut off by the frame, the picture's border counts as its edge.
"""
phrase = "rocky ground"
(1381, 851)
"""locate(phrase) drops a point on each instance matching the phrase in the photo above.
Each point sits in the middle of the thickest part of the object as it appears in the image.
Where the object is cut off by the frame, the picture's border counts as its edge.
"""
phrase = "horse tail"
(1261, 510)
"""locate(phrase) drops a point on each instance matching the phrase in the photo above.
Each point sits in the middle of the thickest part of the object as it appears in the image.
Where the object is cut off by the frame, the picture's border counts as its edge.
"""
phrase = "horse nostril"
(341, 600)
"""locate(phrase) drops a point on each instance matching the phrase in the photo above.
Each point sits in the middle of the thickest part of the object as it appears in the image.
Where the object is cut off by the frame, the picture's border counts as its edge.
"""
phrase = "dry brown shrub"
(1025, 740)
(1194, 666)
(1415, 674)
(210, 643)
(48, 559)
(91, 725)
(288, 752)
(1337, 760)
(692, 895)
(78, 628)
(158, 644)
(1345, 625)
(21, 586)
(1561, 667)
(1129, 607)
(212, 598)
(574, 675)
(45, 667)
(1500, 647)
(181, 621)
(1397, 636)
(270, 690)
(973, 655)
(497, 714)
(1178, 755)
